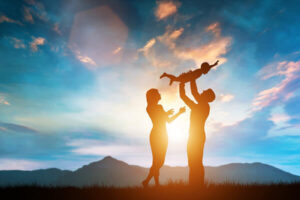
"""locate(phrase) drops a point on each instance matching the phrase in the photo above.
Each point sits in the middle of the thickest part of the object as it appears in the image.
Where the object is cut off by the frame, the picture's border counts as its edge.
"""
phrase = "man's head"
(205, 67)
(208, 95)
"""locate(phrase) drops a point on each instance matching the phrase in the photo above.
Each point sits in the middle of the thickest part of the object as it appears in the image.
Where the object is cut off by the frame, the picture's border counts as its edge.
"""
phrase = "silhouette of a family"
(199, 113)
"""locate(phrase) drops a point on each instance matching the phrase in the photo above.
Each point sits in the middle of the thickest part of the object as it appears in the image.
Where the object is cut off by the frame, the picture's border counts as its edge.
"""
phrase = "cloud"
(277, 118)
(56, 28)
(180, 48)
(147, 46)
(282, 91)
(210, 51)
(165, 9)
(151, 55)
(169, 37)
(284, 124)
(37, 9)
(4, 18)
(85, 59)
(27, 15)
(39, 41)
(214, 28)
(100, 148)
(18, 44)
(117, 50)
(19, 164)
(226, 97)
(17, 128)
(3, 101)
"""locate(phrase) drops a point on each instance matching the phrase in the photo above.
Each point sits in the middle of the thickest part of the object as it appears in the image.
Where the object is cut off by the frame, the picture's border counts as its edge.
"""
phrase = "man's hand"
(170, 112)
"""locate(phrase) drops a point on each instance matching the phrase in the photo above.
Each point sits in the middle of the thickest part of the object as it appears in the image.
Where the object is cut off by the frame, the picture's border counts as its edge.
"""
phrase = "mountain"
(38, 177)
(113, 172)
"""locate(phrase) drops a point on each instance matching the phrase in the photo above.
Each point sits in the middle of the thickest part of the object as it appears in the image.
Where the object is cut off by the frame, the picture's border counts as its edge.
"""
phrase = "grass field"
(171, 191)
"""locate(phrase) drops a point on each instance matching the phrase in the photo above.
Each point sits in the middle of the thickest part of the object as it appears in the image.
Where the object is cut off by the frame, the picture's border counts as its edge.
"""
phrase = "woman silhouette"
(158, 135)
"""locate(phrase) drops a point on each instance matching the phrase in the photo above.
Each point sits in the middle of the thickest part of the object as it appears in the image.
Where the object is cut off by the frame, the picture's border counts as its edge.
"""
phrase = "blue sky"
(73, 77)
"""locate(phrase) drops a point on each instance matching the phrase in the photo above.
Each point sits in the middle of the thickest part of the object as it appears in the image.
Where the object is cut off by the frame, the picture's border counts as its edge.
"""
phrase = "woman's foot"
(145, 183)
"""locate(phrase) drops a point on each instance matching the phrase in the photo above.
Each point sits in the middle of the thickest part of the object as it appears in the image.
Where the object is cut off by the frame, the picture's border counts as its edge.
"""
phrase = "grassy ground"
(171, 191)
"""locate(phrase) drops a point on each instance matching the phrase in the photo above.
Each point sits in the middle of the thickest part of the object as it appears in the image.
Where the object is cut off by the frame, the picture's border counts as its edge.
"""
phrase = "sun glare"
(178, 132)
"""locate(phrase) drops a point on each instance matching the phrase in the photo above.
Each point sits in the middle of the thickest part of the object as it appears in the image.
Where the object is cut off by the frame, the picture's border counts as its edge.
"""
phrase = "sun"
(178, 130)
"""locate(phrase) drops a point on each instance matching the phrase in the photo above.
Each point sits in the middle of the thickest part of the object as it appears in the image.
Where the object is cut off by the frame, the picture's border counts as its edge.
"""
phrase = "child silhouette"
(191, 75)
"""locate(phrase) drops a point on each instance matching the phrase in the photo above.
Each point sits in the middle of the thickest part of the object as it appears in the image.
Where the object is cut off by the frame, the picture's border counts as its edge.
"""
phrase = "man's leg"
(191, 162)
(201, 167)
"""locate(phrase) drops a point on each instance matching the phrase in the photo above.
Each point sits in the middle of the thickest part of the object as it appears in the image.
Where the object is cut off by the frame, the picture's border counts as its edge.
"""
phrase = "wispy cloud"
(17, 128)
(100, 148)
(37, 41)
(165, 9)
(18, 43)
(169, 37)
(19, 164)
(147, 46)
(277, 118)
(214, 28)
(210, 52)
(280, 92)
(57, 29)
(37, 9)
(3, 101)
(27, 15)
(4, 18)
(117, 50)
(151, 56)
(213, 50)
(85, 59)
(226, 97)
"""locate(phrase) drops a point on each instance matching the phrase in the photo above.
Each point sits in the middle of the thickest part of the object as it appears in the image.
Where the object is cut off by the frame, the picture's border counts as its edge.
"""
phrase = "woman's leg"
(153, 168)
(161, 155)
(153, 172)
(148, 178)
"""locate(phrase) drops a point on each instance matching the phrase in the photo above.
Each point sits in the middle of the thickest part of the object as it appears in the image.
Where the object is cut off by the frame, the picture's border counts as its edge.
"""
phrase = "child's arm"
(215, 64)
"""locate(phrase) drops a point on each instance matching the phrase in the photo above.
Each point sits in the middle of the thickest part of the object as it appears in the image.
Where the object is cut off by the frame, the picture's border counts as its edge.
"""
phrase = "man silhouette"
(199, 114)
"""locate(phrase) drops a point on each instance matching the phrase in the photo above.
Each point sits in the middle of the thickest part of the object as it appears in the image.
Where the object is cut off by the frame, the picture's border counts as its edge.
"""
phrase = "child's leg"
(170, 76)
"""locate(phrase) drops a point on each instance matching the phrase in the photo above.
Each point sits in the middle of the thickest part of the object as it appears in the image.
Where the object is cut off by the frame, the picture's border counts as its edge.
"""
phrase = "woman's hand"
(182, 110)
(170, 112)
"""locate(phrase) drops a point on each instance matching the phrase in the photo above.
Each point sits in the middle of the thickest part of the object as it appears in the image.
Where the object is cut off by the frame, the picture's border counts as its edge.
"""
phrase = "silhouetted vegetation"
(171, 191)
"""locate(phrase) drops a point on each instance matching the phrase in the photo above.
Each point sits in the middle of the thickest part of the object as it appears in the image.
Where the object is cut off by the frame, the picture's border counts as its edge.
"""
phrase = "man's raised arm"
(183, 96)
(194, 90)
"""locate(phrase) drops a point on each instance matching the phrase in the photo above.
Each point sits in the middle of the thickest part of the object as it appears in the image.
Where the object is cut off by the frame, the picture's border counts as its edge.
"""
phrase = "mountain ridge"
(112, 172)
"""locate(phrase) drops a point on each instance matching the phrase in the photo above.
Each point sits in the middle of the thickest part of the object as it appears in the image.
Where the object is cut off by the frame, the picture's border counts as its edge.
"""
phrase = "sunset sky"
(73, 78)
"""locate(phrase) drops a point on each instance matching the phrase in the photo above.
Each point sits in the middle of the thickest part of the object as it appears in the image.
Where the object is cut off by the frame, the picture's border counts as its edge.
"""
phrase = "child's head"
(205, 67)
(153, 96)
